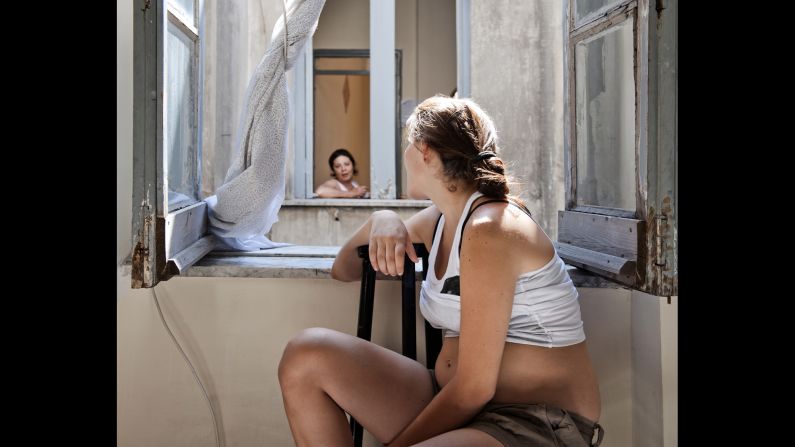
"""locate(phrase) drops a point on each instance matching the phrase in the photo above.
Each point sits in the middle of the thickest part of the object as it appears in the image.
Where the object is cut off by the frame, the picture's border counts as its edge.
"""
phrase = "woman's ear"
(426, 152)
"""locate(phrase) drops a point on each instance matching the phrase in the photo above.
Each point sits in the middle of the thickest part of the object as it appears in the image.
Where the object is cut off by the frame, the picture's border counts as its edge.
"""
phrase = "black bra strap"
(510, 202)
(436, 227)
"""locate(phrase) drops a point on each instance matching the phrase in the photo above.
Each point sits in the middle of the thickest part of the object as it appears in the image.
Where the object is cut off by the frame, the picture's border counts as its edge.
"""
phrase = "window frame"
(158, 251)
(634, 248)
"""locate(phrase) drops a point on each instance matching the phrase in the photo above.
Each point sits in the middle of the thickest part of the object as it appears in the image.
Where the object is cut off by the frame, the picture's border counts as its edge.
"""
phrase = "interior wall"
(235, 329)
(339, 127)
(343, 24)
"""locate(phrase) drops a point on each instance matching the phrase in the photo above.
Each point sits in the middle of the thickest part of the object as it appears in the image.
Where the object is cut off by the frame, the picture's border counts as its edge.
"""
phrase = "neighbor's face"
(415, 169)
(343, 168)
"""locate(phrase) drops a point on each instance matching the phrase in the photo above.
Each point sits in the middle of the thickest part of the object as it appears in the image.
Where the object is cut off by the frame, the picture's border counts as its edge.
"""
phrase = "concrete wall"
(299, 224)
(517, 76)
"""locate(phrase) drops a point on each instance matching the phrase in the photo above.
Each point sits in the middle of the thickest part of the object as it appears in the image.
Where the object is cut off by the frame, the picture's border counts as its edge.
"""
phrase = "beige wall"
(343, 24)
(607, 322)
(669, 339)
(234, 330)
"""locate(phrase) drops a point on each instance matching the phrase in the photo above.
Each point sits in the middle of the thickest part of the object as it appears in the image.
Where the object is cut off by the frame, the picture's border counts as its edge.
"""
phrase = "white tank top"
(546, 311)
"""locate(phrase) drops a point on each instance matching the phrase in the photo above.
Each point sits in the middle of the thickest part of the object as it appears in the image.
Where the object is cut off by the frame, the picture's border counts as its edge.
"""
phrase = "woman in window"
(343, 168)
(513, 369)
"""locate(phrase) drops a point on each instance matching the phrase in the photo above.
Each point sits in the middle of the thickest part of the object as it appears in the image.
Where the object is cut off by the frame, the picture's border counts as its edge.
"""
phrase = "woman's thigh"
(382, 389)
(463, 437)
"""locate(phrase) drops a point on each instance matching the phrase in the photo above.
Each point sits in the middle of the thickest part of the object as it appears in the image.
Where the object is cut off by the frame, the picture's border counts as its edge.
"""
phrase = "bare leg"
(324, 373)
(463, 437)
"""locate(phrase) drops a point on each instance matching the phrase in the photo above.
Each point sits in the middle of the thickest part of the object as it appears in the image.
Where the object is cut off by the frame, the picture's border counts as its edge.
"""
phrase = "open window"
(621, 141)
(166, 141)
(190, 66)
(368, 65)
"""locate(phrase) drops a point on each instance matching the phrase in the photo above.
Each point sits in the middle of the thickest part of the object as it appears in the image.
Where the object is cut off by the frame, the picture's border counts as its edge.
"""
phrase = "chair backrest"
(433, 337)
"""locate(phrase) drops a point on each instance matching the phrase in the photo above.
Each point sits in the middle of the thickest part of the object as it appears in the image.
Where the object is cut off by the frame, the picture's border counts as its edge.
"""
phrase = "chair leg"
(409, 310)
(366, 299)
(364, 328)
(357, 431)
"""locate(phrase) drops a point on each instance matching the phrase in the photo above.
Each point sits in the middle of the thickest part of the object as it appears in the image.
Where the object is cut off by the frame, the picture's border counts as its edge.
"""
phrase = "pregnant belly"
(562, 377)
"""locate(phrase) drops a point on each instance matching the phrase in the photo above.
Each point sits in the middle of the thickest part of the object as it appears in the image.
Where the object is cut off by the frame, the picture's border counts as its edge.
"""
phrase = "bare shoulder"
(502, 228)
(330, 183)
(421, 225)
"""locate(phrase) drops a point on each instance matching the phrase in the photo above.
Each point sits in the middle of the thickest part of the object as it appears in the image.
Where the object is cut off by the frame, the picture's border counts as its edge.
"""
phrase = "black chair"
(433, 337)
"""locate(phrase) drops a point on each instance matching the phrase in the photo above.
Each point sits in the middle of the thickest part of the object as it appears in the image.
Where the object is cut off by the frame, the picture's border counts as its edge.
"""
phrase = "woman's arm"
(488, 280)
(389, 239)
(329, 190)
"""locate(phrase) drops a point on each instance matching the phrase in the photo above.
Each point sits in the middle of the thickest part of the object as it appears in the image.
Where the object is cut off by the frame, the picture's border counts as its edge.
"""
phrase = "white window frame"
(636, 249)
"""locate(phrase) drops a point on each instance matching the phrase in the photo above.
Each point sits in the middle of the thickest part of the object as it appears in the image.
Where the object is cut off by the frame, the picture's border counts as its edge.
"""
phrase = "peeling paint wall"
(517, 77)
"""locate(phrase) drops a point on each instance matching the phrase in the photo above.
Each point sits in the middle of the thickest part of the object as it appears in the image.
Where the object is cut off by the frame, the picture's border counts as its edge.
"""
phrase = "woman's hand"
(360, 191)
(389, 242)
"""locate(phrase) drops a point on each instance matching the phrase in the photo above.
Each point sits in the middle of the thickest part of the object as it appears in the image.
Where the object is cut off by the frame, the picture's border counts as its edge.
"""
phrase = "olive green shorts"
(519, 425)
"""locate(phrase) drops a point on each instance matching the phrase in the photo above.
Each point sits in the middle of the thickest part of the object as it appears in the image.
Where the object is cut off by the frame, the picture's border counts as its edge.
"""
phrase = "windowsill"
(314, 262)
(364, 203)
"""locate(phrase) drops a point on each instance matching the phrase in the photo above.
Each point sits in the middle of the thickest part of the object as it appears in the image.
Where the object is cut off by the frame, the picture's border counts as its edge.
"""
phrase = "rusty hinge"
(660, 222)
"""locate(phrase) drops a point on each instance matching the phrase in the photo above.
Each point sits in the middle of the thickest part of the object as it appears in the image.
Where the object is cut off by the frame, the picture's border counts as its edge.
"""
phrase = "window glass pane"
(605, 89)
(584, 7)
(181, 137)
(185, 8)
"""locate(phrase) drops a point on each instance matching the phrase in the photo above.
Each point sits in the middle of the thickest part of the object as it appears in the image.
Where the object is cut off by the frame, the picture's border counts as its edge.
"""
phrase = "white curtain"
(246, 206)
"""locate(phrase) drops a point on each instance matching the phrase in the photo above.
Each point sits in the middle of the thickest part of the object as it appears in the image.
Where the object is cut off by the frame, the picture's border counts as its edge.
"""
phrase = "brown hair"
(459, 130)
(337, 153)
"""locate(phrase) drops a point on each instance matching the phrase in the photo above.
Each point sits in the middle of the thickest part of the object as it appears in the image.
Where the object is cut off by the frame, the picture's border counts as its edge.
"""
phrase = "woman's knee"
(305, 353)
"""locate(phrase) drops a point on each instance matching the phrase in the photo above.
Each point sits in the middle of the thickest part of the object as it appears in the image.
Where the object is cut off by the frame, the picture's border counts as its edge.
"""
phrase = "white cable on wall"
(192, 369)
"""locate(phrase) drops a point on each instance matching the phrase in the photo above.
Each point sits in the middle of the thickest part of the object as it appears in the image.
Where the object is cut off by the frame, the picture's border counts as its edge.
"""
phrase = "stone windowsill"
(305, 262)
(363, 203)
